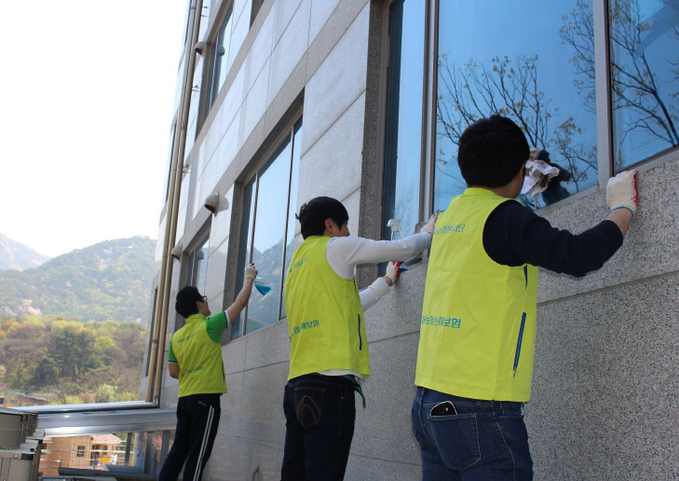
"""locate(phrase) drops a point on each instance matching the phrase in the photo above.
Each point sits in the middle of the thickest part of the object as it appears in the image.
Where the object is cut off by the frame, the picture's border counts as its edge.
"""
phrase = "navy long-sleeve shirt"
(514, 235)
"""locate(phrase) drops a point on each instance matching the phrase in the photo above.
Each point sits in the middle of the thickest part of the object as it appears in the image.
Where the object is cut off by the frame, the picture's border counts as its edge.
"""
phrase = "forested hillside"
(107, 281)
(73, 330)
(52, 360)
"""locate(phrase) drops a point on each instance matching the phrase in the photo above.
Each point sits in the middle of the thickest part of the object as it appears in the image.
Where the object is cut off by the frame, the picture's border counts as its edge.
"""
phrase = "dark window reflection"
(220, 58)
(197, 272)
(523, 60)
(198, 265)
(644, 39)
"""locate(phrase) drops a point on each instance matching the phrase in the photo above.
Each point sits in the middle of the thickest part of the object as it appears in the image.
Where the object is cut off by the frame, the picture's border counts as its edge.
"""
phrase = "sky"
(87, 91)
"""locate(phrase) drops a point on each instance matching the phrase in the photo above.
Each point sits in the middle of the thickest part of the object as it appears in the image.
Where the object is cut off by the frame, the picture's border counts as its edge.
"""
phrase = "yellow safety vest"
(477, 331)
(325, 317)
(200, 359)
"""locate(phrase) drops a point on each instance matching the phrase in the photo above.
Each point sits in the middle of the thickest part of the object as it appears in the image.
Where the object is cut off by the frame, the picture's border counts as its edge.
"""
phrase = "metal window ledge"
(103, 418)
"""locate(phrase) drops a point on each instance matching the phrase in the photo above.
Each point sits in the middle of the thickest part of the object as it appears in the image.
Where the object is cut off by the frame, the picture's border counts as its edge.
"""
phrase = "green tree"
(47, 369)
(106, 393)
(73, 348)
(29, 328)
(22, 365)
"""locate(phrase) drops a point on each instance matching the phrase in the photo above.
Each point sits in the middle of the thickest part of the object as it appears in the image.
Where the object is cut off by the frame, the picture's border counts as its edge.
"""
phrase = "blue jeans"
(319, 424)
(470, 440)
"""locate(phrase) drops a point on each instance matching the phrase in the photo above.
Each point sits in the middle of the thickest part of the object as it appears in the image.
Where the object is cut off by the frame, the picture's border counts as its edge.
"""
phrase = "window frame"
(247, 234)
(188, 268)
(604, 115)
(198, 261)
(209, 79)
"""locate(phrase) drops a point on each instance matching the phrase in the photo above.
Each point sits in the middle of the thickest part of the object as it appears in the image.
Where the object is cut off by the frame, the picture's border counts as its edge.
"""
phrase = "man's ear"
(522, 172)
(329, 223)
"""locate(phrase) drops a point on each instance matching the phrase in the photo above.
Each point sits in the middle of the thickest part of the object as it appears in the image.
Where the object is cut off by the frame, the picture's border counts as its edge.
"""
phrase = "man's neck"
(506, 191)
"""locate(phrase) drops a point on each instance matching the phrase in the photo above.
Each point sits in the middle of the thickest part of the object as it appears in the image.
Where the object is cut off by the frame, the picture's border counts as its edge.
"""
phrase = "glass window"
(266, 233)
(644, 41)
(531, 74)
(219, 59)
(535, 63)
(196, 274)
(403, 143)
(292, 209)
(198, 265)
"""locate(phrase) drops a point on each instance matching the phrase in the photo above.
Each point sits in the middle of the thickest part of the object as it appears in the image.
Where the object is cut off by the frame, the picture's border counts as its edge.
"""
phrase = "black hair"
(313, 214)
(492, 151)
(186, 301)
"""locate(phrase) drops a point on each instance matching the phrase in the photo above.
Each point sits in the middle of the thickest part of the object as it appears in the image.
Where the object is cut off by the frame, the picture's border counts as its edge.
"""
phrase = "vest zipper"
(360, 339)
(518, 343)
(525, 274)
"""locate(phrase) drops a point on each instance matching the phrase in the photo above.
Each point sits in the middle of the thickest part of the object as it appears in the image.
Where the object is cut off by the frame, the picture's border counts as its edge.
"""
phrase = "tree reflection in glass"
(644, 38)
(513, 63)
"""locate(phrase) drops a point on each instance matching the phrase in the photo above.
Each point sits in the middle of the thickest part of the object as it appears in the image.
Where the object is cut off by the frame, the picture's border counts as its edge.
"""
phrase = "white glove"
(393, 270)
(621, 191)
(431, 223)
(251, 272)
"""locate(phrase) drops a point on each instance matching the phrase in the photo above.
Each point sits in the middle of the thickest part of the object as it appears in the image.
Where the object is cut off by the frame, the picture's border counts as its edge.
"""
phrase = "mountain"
(109, 280)
(14, 255)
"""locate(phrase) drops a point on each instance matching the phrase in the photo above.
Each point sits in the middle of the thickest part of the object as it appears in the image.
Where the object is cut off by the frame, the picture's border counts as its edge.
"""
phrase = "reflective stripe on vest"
(477, 330)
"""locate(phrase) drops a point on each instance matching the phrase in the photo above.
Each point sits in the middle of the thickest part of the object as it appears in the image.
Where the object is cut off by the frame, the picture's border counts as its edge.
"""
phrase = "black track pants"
(197, 424)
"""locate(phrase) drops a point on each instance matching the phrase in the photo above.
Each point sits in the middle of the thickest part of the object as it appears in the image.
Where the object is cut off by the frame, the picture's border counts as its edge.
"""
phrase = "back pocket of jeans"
(309, 405)
(457, 439)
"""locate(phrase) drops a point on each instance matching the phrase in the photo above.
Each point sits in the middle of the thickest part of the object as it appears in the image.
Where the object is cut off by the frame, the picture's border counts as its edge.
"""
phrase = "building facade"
(91, 452)
(279, 101)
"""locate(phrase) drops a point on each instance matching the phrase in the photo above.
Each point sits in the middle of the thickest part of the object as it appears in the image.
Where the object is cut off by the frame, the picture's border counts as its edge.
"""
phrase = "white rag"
(537, 176)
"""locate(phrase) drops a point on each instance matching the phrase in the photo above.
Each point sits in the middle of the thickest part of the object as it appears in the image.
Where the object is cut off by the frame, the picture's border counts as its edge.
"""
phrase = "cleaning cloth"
(538, 174)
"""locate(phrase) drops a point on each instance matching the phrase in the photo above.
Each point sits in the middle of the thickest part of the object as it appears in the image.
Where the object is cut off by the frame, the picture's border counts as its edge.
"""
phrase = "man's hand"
(393, 270)
(621, 191)
(431, 223)
(233, 311)
(251, 272)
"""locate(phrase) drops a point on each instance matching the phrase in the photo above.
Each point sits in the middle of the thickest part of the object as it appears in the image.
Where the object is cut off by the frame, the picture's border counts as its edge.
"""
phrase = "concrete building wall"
(604, 389)
(604, 392)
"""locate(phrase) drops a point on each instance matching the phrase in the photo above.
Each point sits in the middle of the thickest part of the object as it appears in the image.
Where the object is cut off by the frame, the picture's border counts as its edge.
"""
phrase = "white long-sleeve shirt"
(345, 253)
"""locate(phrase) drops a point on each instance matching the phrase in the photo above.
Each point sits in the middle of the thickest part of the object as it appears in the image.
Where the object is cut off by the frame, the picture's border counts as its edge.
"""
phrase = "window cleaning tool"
(395, 225)
(263, 289)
